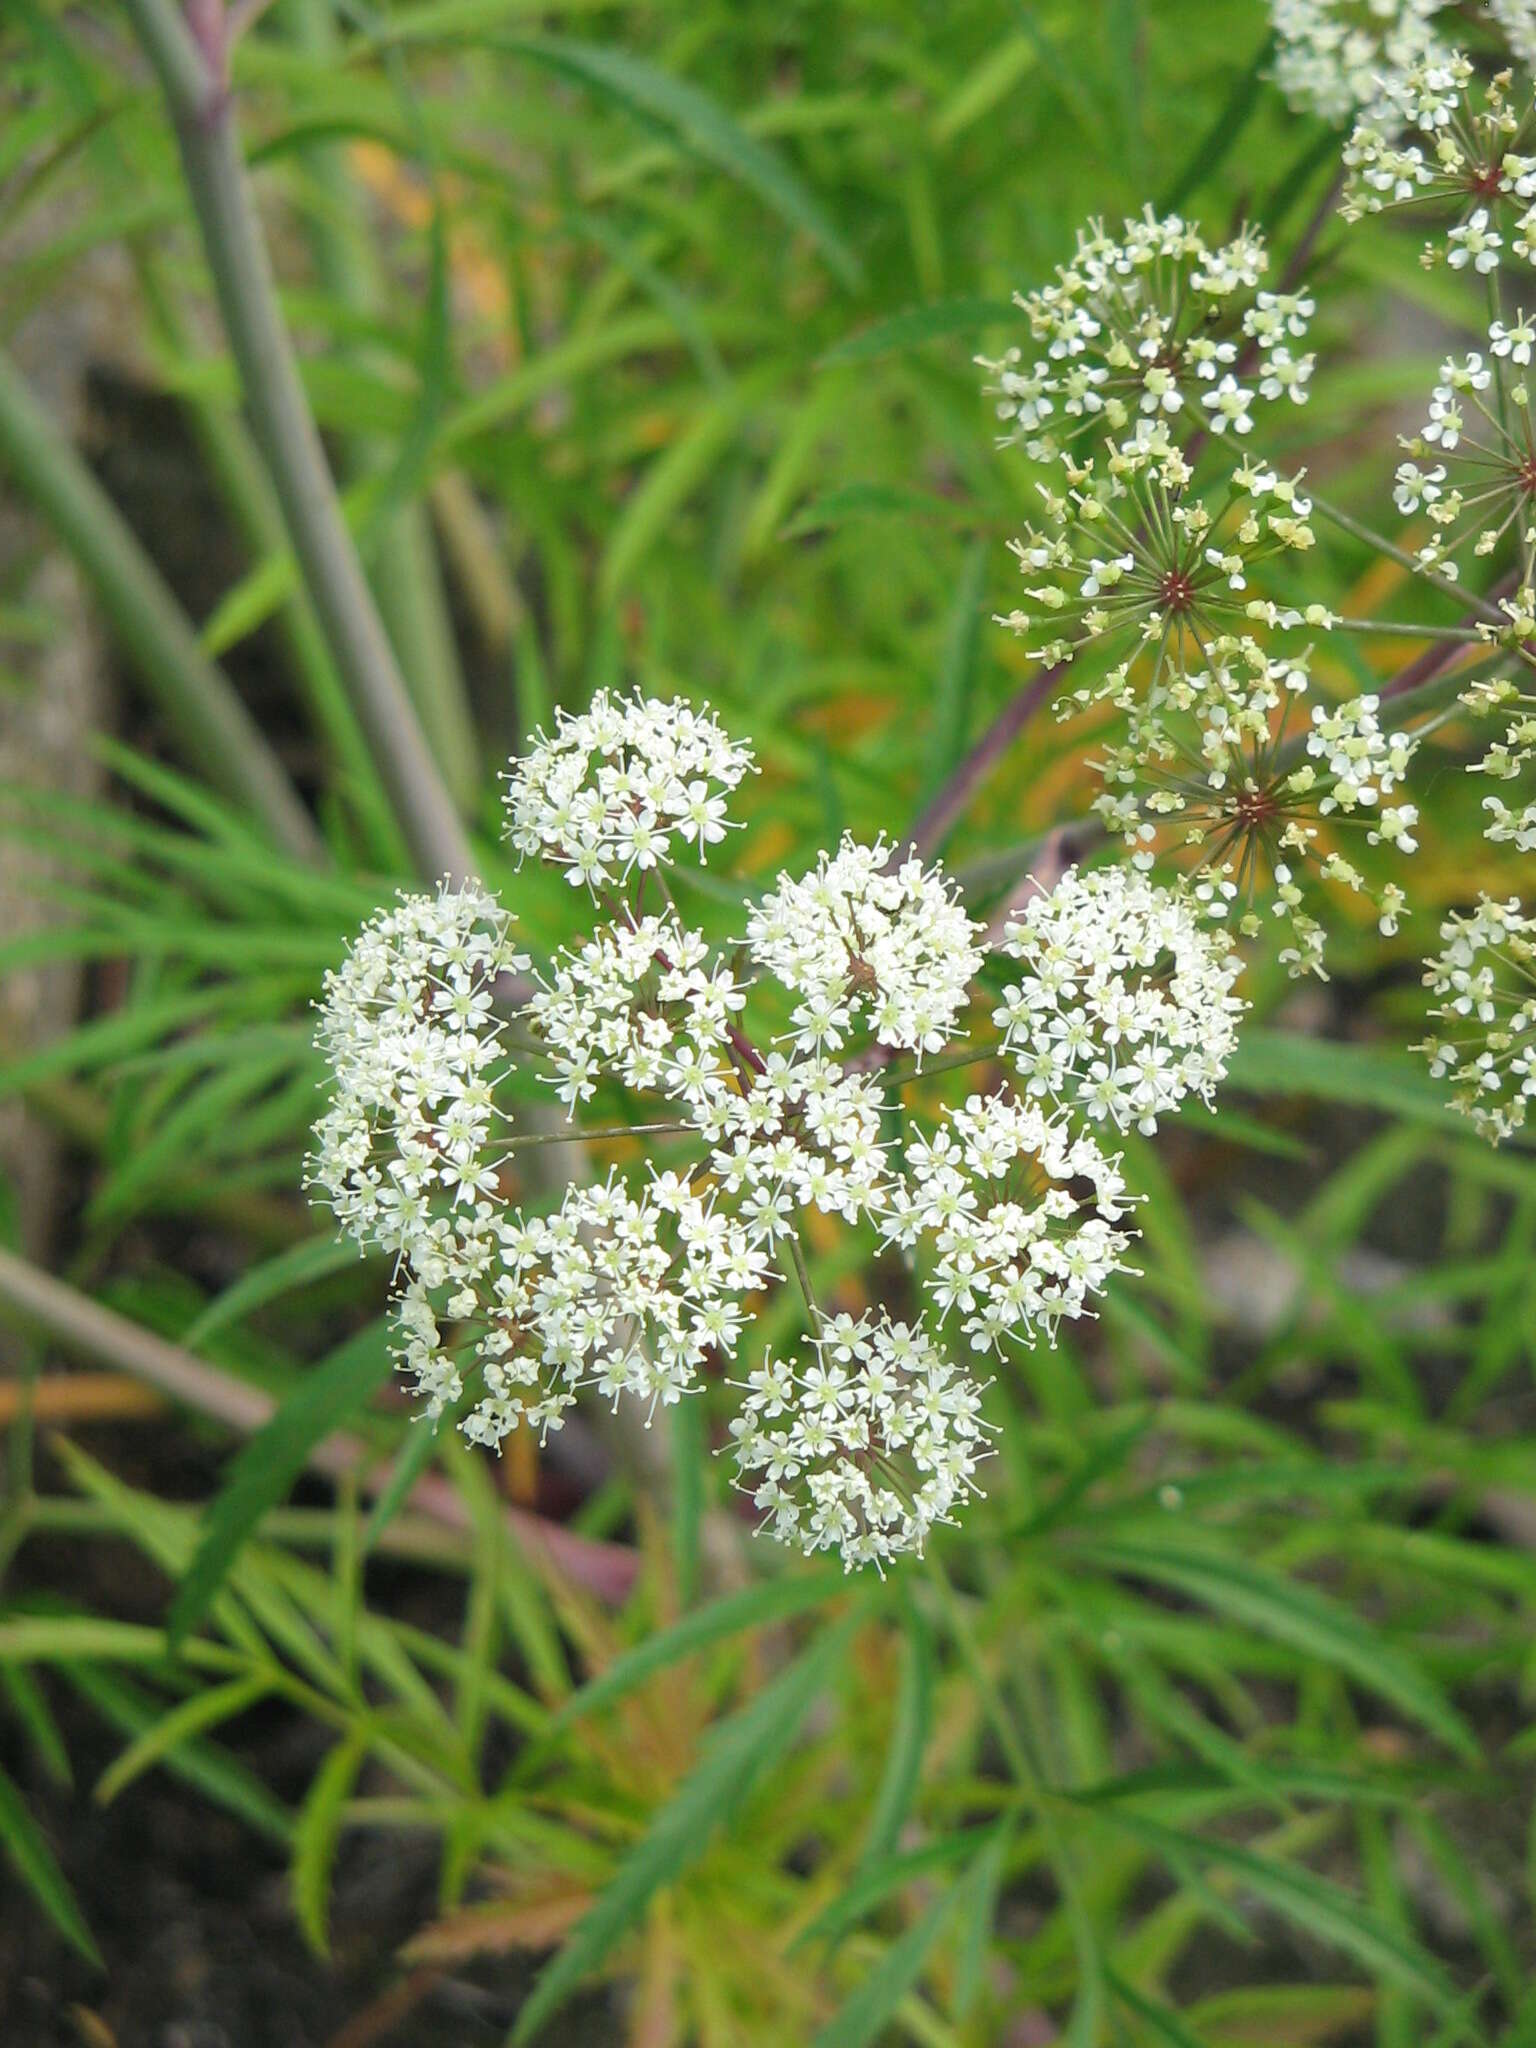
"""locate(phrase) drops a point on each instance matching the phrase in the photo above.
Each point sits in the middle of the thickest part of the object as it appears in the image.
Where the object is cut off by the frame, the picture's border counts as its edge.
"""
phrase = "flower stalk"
(190, 57)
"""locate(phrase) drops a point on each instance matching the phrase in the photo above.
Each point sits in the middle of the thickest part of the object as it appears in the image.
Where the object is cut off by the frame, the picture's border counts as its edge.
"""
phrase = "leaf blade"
(264, 1470)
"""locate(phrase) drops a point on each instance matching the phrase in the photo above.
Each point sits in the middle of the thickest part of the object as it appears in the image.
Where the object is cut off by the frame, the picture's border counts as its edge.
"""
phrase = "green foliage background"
(644, 333)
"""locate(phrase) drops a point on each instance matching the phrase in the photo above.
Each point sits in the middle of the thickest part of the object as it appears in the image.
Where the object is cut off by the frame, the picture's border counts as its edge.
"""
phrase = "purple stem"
(939, 818)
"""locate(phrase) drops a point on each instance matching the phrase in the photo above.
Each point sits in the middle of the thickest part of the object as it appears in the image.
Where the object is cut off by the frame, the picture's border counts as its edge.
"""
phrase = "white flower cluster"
(1214, 772)
(803, 1134)
(867, 939)
(1125, 1002)
(1364, 760)
(1517, 19)
(1485, 980)
(643, 1002)
(1335, 56)
(863, 1447)
(1440, 136)
(1508, 757)
(617, 789)
(1022, 1213)
(1147, 326)
(1482, 490)
(409, 1148)
(625, 1294)
(1136, 564)
(1011, 1213)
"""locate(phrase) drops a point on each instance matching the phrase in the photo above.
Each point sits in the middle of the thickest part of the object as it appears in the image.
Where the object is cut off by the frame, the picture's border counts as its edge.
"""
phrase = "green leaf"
(35, 1864)
(1310, 1902)
(690, 1462)
(869, 1888)
(669, 483)
(32, 1710)
(865, 2012)
(957, 673)
(941, 319)
(1268, 1062)
(315, 1259)
(737, 1753)
(194, 1716)
(1165, 2025)
(315, 1836)
(753, 1607)
(910, 1729)
(262, 1473)
(1298, 1616)
(49, 1638)
(976, 1934)
(874, 501)
(868, 2008)
(990, 80)
(413, 1458)
(700, 124)
(1219, 140)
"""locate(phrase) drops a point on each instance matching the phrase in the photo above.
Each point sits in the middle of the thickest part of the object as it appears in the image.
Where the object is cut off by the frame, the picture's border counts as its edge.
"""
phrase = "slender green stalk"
(237, 469)
(407, 578)
(1405, 629)
(574, 1136)
(193, 78)
(196, 697)
(1357, 528)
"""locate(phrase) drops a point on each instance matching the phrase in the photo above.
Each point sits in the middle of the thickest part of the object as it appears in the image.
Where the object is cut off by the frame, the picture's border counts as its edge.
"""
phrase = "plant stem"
(573, 1136)
(236, 467)
(802, 1274)
(1347, 523)
(193, 78)
(1404, 629)
(939, 818)
(407, 578)
(903, 1077)
(196, 697)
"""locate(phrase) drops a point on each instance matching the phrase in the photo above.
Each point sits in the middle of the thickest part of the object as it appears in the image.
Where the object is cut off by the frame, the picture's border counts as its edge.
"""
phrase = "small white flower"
(1484, 978)
(866, 1455)
(1333, 57)
(865, 940)
(609, 794)
(1125, 1002)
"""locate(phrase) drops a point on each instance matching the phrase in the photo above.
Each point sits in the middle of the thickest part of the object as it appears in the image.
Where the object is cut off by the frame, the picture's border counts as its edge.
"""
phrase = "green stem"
(802, 1274)
(903, 1077)
(196, 697)
(83, 1326)
(237, 470)
(575, 1136)
(1404, 629)
(194, 82)
(407, 578)
(1347, 523)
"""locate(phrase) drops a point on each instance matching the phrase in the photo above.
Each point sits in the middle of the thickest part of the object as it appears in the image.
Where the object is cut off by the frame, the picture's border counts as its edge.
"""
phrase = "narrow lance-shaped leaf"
(754, 1607)
(700, 124)
(864, 2014)
(38, 1869)
(1296, 1615)
(265, 1469)
(316, 1833)
(736, 1755)
(909, 1738)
